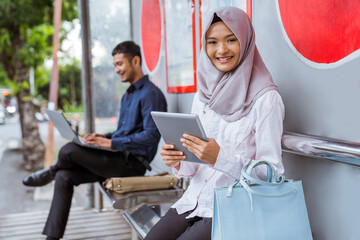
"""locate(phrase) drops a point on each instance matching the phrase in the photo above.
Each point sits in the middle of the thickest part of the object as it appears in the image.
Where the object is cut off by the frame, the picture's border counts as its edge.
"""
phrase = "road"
(15, 197)
(10, 134)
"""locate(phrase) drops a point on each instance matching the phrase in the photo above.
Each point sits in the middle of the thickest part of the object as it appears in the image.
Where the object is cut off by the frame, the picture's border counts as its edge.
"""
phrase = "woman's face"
(222, 47)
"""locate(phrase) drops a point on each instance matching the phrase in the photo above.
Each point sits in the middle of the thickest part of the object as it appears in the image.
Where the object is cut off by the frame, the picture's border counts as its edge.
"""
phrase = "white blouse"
(255, 136)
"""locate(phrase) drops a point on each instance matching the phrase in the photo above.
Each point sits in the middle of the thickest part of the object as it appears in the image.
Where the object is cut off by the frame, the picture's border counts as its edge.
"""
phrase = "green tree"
(25, 40)
(69, 84)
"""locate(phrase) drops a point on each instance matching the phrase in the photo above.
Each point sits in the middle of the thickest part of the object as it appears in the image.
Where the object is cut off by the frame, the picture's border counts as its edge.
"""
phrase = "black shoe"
(39, 178)
(52, 238)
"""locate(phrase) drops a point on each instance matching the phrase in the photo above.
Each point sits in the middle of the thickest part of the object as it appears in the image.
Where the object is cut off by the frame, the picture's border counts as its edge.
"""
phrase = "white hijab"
(232, 94)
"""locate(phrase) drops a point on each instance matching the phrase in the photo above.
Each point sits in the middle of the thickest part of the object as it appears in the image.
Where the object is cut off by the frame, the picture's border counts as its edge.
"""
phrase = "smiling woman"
(222, 47)
(241, 111)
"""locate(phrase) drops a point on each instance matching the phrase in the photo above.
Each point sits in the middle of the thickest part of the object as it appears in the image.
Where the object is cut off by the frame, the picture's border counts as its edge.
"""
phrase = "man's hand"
(205, 151)
(171, 157)
(94, 135)
(98, 139)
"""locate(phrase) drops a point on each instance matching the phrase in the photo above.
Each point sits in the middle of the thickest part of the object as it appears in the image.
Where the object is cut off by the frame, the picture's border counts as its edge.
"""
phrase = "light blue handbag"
(252, 209)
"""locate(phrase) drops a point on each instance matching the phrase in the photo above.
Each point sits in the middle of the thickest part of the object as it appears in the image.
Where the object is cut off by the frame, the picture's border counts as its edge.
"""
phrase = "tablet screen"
(173, 125)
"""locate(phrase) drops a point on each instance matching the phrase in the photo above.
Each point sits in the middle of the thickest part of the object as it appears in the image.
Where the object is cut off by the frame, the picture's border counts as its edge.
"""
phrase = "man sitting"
(135, 141)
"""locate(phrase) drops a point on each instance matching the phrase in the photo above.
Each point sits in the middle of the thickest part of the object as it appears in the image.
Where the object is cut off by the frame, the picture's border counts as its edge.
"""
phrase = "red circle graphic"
(323, 31)
(151, 32)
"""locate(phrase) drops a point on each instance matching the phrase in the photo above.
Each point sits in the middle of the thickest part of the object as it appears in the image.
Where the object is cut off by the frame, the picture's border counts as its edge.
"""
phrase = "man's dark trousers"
(77, 165)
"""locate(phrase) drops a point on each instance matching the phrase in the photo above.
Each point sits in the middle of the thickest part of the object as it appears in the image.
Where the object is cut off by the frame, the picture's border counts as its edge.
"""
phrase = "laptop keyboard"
(91, 145)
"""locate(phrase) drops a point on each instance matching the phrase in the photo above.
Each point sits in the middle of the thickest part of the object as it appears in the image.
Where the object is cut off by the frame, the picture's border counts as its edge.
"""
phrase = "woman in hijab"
(241, 111)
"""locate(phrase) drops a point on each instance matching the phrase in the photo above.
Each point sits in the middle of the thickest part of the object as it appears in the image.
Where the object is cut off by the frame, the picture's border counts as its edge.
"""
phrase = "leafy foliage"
(37, 46)
(69, 84)
(14, 13)
(25, 41)
(26, 33)
(4, 80)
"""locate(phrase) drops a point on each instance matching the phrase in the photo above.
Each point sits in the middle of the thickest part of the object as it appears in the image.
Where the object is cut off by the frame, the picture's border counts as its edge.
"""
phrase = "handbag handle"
(246, 179)
(271, 174)
(250, 165)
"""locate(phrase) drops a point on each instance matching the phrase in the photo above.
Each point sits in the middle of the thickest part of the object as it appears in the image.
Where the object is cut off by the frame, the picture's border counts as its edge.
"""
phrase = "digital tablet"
(172, 126)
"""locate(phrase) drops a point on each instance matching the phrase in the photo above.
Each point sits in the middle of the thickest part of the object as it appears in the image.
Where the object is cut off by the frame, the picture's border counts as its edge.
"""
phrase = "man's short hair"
(129, 48)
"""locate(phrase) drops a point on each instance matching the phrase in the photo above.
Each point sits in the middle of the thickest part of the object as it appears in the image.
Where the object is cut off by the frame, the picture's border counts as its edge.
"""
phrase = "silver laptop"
(173, 125)
(64, 128)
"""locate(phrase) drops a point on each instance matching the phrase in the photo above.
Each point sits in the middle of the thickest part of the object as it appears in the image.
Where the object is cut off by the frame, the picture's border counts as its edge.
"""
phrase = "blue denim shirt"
(136, 131)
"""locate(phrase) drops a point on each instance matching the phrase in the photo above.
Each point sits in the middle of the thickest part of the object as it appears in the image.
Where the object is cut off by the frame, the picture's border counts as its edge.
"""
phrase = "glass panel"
(109, 25)
(180, 57)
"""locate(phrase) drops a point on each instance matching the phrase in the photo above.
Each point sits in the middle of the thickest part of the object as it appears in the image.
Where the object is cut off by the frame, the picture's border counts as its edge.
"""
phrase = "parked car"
(2, 114)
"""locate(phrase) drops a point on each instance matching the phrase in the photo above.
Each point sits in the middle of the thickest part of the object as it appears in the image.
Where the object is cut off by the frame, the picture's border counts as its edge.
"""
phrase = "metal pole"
(86, 82)
(131, 19)
(54, 84)
(32, 81)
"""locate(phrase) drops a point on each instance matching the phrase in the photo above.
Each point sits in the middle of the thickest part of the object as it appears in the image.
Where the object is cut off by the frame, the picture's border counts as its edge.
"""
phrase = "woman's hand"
(205, 151)
(171, 157)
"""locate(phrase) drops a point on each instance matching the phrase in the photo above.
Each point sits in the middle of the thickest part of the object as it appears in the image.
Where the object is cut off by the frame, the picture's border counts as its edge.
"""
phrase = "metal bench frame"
(141, 209)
